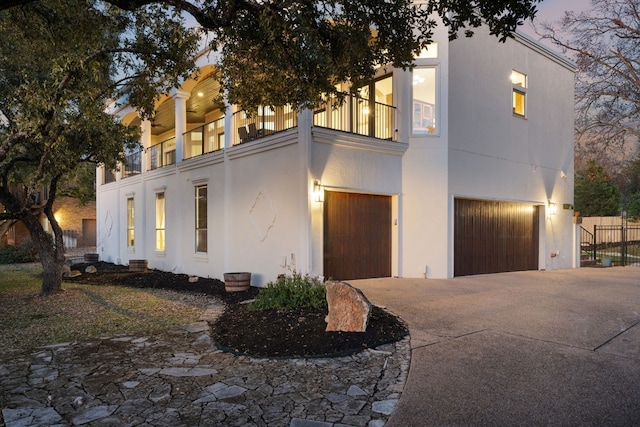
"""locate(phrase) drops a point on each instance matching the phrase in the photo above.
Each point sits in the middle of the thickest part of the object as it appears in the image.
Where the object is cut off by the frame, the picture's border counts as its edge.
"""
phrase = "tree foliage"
(595, 194)
(61, 63)
(296, 51)
(605, 44)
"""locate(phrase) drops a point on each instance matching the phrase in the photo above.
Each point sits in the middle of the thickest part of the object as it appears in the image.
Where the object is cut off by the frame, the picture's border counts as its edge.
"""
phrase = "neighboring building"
(77, 220)
(462, 166)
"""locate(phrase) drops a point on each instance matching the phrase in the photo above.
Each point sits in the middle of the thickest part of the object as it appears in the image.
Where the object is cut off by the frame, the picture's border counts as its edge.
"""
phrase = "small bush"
(24, 252)
(291, 291)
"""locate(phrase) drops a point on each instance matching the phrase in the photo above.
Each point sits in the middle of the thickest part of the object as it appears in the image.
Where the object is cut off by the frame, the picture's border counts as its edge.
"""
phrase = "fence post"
(623, 245)
(595, 240)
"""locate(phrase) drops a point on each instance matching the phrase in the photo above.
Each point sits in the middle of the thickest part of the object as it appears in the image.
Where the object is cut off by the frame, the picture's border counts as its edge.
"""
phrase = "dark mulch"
(112, 274)
(268, 333)
(299, 333)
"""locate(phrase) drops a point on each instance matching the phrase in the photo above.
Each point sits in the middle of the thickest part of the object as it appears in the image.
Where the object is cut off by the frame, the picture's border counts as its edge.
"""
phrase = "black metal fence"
(619, 243)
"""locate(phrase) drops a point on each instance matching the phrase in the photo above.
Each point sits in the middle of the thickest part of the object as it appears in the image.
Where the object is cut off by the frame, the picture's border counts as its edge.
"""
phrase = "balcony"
(355, 115)
(204, 139)
(132, 165)
(266, 121)
(162, 154)
(358, 116)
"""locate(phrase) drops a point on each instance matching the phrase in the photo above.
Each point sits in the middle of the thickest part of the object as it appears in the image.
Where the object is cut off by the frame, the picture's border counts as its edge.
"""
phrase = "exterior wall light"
(553, 209)
(318, 191)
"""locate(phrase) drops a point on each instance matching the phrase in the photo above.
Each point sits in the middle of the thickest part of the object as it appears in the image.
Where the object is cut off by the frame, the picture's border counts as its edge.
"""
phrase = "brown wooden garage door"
(357, 236)
(494, 237)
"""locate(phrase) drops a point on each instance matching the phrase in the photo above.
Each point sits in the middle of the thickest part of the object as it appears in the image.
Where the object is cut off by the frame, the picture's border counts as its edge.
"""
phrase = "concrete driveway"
(525, 348)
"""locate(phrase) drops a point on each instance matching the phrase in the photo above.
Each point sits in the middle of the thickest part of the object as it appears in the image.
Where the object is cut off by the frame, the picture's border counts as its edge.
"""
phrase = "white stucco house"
(463, 165)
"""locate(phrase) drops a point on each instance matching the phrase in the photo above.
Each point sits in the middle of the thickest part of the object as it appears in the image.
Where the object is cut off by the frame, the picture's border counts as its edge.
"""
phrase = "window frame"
(161, 228)
(200, 230)
(519, 90)
(131, 222)
(435, 107)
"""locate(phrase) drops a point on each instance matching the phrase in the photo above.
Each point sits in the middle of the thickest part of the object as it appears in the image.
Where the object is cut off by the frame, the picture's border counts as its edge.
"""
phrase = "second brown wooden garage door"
(495, 237)
(357, 236)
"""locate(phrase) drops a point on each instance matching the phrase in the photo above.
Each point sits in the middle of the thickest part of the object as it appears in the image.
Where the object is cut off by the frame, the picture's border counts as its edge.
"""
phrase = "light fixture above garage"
(318, 191)
(552, 208)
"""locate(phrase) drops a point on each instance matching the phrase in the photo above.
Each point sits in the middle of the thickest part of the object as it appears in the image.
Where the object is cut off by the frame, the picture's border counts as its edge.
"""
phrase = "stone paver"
(180, 378)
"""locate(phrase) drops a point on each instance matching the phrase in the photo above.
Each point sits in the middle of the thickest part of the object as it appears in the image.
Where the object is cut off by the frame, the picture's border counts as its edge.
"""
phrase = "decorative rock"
(91, 269)
(349, 309)
(72, 273)
(193, 279)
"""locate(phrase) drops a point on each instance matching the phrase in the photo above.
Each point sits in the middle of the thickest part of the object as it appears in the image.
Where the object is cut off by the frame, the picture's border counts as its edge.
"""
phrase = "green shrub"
(24, 252)
(291, 291)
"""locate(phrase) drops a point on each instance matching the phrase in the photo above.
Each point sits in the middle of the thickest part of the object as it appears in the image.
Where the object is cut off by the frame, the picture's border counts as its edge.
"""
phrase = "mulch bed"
(268, 333)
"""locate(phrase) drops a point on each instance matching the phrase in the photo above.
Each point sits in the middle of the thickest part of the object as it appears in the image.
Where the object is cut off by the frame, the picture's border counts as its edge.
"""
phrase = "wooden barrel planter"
(236, 282)
(91, 257)
(138, 265)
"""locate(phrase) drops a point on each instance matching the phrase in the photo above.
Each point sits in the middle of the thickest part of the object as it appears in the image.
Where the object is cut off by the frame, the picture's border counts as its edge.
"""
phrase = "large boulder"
(349, 309)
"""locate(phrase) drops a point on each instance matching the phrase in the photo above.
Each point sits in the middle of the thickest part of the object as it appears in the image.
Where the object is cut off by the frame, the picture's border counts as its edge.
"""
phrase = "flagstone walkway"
(179, 378)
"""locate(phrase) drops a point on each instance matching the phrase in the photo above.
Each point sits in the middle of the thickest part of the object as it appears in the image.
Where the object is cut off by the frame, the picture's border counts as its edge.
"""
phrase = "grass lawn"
(83, 312)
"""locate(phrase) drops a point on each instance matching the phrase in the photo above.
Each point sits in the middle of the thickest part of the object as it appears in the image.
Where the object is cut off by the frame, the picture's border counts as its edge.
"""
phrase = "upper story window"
(424, 118)
(519, 89)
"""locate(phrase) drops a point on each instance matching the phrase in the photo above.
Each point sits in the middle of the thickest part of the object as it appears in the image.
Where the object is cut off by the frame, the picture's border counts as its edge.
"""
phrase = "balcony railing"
(162, 154)
(265, 122)
(109, 176)
(132, 165)
(204, 139)
(358, 115)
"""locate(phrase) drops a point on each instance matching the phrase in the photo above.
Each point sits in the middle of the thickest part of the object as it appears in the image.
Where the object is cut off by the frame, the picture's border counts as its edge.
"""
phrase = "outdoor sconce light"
(318, 191)
(553, 209)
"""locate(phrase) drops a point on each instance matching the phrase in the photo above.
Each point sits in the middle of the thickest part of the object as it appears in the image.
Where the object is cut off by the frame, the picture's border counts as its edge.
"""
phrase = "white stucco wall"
(253, 213)
(352, 163)
(496, 155)
(425, 240)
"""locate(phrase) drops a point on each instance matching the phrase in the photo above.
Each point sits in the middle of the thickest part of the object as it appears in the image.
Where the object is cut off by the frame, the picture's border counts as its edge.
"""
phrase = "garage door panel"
(357, 236)
(494, 237)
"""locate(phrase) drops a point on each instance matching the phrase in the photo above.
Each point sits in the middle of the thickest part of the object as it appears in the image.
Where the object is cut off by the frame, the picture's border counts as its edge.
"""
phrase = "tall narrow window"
(424, 101)
(130, 222)
(201, 218)
(160, 221)
(519, 88)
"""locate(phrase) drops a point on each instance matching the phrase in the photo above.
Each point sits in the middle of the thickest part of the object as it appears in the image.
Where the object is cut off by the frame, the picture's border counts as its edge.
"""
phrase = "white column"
(180, 97)
(145, 140)
(229, 130)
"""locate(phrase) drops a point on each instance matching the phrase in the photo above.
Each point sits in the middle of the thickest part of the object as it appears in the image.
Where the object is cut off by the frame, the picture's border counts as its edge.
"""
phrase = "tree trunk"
(52, 270)
(51, 254)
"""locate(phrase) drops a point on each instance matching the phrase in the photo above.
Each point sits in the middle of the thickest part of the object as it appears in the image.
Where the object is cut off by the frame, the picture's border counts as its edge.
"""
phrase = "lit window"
(201, 218)
(130, 222)
(160, 231)
(424, 101)
(519, 89)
